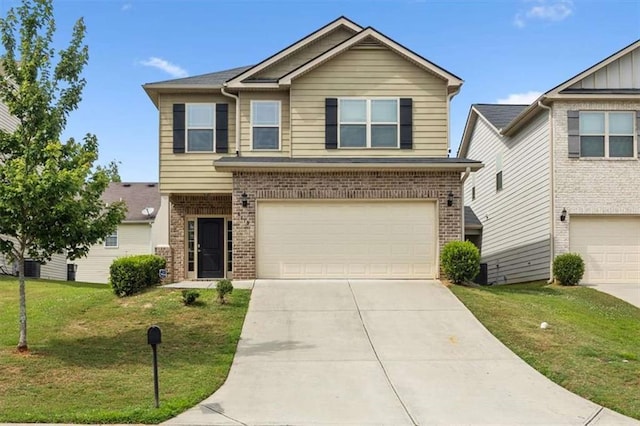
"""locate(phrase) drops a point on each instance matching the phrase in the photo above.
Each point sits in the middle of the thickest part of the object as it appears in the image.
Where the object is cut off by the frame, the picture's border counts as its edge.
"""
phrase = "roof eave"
(524, 117)
(249, 166)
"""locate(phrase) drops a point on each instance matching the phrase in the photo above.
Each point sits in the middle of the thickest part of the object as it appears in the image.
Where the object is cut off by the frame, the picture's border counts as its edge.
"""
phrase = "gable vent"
(369, 43)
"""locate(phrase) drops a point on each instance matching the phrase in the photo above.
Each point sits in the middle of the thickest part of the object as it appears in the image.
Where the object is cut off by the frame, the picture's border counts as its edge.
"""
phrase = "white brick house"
(568, 166)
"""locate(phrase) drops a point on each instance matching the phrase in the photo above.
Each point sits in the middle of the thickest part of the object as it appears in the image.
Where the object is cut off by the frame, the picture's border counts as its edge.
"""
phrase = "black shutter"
(638, 132)
(178, 128)
(331, 123)
(573, 133)
(406, 123)
(222, 128)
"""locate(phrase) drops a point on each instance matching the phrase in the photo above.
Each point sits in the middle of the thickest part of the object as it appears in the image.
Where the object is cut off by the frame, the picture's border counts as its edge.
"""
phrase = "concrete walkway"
(379, 352)
(630, 293)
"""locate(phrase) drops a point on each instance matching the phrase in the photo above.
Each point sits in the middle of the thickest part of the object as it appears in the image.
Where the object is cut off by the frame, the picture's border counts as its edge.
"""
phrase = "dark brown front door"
(210, 248)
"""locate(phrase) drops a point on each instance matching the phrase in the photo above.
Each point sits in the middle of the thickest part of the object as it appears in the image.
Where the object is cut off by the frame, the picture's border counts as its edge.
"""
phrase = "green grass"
(592, 345)
(89, 361)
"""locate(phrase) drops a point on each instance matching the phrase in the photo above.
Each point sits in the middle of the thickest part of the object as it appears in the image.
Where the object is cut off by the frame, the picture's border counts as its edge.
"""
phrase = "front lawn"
(592, 345)
(89, 359)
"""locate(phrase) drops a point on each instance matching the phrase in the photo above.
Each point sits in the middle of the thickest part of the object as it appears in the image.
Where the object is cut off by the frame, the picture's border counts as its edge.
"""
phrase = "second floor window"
(606, 134)
(200, 127)
(368, 123)
(265, 125)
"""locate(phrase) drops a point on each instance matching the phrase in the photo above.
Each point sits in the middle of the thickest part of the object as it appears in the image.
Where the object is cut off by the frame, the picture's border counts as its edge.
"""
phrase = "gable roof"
(560, 91)
(342, 21)
(137, 196)
(454, 82)
(496, 115)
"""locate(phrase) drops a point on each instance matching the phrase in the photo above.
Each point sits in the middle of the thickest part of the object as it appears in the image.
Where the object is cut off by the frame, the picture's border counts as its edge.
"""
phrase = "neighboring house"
(56, 268)
(138, 233)
(561, 176)
(329, 159)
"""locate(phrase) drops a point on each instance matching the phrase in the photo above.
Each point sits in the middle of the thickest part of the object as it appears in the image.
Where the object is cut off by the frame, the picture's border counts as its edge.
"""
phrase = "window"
(200, 127)
(265, 125)
(191, 245)
(606, 134)
(499, 172)
(368, 123)
(473, 187)
(111, 241)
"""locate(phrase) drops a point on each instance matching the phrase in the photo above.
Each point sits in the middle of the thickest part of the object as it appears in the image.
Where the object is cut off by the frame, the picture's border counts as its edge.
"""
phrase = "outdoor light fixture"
(563, 215)
(450, 199)
(244, 199)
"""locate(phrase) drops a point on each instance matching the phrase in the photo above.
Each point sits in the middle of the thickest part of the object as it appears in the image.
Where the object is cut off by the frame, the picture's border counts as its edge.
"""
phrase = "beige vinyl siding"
(362, 72)
(191, 172)
(305, 54)
(245, 122)
(623, 73)
(133, 238)
(516, 220)
(7, 121)
(55, 269)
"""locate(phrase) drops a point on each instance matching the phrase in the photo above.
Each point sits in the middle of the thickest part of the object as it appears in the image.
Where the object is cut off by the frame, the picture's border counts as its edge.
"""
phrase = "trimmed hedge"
(568, 268)
(460, 261)
(131, 274)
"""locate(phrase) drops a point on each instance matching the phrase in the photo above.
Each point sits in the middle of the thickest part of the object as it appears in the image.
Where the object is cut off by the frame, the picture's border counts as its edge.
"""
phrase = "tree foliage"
(50, 191)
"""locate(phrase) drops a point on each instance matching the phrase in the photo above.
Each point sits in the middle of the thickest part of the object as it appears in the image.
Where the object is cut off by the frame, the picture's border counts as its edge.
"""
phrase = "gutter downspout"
(449, 98)
(464, 177)
(237, 99)
(551, 185)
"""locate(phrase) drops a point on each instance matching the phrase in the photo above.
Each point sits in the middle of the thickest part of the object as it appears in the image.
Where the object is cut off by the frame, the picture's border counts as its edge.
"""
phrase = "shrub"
(460, 261)
(131, 274)
(568, 268)
(189, 297)
(223, 287)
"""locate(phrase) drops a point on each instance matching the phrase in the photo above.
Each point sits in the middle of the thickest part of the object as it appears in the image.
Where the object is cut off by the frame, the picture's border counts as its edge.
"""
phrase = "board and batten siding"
(191, 172)
(305, 54)
(623, 73)
(133, 238)
(245, 123)
(369, 72)
(516, 224)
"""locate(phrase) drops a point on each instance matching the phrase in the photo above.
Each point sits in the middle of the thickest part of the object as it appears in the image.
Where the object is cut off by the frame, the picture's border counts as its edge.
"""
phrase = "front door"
(211, 248)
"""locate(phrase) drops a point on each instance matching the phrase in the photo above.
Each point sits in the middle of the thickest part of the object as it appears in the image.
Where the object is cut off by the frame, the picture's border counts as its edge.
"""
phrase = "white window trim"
(117, 240)
(606, 135)
(187, 128)
(266, 101)
(368, 122)
(499, 171)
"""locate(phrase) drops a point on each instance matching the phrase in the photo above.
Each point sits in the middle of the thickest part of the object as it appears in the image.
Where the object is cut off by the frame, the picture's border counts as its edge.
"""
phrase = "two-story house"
(561, 176)
(329, 159)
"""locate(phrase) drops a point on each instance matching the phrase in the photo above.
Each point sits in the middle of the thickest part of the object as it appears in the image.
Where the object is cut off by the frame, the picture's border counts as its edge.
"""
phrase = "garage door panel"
(346, 239)
(610, 247)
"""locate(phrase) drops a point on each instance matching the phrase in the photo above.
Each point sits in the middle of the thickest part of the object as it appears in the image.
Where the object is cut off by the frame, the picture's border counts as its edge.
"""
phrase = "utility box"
(483, 277)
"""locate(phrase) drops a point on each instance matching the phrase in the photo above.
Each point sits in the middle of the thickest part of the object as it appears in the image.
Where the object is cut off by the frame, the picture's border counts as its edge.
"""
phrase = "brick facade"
(182, 207)
(590, 186)
(336, 186)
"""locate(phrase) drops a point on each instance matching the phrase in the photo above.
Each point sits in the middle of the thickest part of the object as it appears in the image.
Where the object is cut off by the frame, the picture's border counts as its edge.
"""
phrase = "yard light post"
(154, 338)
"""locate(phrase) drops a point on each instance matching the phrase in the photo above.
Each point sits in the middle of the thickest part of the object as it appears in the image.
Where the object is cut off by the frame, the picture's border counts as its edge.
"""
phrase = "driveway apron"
(365, 352)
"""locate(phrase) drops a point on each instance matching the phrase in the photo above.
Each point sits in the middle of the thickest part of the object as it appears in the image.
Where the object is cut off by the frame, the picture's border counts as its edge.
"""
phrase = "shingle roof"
(347, 160)
(137, 196)
(470, 219)
(499, 115)
(211, 79)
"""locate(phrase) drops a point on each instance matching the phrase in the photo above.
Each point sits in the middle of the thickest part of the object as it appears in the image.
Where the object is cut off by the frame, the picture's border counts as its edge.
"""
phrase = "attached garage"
(346, 239)
(610, 247)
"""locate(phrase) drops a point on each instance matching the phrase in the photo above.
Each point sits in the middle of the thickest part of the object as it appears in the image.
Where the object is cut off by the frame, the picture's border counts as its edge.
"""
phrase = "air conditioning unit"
(31, 269)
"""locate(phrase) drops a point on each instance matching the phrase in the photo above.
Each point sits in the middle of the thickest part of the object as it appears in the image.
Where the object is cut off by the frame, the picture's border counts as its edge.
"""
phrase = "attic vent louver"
(151, 185)
(369, 42)
(126, 185)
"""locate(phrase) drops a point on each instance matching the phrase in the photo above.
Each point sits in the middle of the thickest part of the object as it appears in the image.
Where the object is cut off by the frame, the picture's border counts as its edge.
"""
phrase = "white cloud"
(166, 66)
(126, 6)
(544, 10)
(520, 98)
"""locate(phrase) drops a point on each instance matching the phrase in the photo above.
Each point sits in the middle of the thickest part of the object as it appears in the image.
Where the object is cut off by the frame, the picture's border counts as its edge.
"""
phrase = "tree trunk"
(22, 343)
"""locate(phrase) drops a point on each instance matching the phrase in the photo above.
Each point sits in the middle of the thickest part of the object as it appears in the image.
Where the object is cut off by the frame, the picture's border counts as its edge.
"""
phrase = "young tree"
(50, 192)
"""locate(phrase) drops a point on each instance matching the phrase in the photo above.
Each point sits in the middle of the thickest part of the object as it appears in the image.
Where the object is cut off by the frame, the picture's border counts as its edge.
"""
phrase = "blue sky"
(504, 50)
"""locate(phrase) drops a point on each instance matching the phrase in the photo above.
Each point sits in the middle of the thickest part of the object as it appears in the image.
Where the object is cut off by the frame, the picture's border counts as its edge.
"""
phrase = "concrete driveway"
(630, 293)
(379, 352)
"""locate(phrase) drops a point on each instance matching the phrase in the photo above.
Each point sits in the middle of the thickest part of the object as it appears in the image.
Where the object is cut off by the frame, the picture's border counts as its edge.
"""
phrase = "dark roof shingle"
(137, 196)
(499, 115)
(211, 79)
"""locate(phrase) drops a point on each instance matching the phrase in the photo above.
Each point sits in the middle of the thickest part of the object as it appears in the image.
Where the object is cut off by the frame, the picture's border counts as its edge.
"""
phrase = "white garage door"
(610, 247)
(346, 239)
